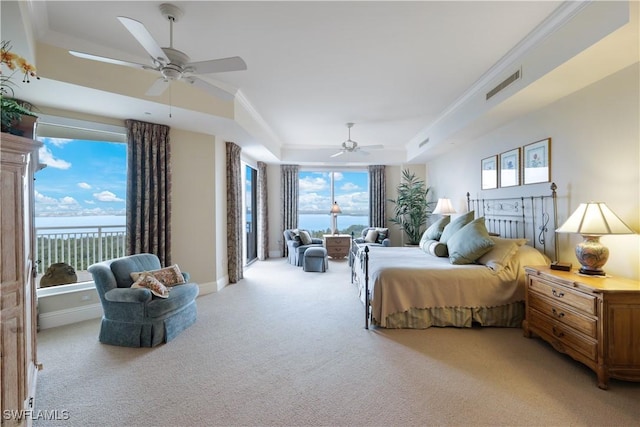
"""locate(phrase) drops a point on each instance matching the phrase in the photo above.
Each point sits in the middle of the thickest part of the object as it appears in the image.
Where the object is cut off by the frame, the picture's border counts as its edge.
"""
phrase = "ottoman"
(315, 259)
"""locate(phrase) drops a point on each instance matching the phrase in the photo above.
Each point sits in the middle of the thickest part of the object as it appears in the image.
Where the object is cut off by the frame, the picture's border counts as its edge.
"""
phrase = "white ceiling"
(391, 67)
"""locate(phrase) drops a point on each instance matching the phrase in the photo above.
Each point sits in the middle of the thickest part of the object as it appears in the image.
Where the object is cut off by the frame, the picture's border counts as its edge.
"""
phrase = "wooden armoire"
(18, 328)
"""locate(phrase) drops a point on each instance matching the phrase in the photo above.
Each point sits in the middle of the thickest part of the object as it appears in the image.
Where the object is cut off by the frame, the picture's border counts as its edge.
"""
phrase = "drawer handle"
(557, 294)
(557, 313)
(557, 333)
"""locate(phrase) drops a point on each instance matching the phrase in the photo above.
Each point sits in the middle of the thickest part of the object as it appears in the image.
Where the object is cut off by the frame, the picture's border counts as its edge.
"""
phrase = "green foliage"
(78, 252)
(411, 208)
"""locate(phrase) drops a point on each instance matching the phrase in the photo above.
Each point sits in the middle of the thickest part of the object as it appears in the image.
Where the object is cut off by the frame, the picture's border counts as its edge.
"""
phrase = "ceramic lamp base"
(592, 255)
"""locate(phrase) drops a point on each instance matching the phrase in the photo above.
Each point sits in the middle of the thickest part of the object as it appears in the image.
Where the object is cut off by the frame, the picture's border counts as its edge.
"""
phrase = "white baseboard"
(222, 282)
(207, 288)
(69, 315)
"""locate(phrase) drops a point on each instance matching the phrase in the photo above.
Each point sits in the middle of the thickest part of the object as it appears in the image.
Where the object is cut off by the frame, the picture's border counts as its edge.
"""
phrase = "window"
(250, 206)
(318, 191)
(79, 196)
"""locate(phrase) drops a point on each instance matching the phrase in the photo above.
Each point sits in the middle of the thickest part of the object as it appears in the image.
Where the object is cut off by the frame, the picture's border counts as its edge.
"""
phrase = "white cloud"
(84, 185)
(90, 202)
(68, 200)
(350, 186)
(58, 142)
(41, 198)
(107, 196)
(310, 184)
(46, 157)
(338, 176)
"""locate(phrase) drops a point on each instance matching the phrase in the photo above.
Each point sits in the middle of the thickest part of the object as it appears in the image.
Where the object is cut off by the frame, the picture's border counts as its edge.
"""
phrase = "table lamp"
(444, 207)
(592, 220)
(335, 210)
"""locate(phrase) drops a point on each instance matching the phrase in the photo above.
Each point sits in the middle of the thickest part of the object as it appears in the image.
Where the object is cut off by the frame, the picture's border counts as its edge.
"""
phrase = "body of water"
(81, 221)
(315, 222)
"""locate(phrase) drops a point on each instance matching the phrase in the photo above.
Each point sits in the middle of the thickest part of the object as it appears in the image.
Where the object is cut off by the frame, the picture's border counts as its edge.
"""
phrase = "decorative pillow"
(168, 276)
(147, 280)
(435, 230)
(501, 253)
(371, 236)
(295, 234)
(469, 243)
(435, 248)
(456, 225)
(305, 237)
(383, 233)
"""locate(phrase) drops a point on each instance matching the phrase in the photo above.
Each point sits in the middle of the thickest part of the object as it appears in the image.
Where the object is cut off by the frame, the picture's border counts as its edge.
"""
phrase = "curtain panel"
(289, 181)
(148, 190)
(377, 196)
(234, 212)
(262, 214)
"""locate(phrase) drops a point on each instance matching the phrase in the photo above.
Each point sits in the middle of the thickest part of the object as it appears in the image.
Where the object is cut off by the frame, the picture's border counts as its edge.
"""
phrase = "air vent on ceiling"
(512, 78)
(423, 143)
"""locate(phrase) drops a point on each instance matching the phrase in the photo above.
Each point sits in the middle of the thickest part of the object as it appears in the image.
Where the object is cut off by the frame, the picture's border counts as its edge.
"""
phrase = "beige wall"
(193, 217)
(595, 157)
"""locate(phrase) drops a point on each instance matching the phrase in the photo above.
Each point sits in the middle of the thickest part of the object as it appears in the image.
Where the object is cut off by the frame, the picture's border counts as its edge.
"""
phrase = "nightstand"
(337, 245)
(595, 320)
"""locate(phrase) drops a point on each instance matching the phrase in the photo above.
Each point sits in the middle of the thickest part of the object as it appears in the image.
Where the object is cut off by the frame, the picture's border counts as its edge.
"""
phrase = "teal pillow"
(435, 230)
(456, 225)
(469, 243)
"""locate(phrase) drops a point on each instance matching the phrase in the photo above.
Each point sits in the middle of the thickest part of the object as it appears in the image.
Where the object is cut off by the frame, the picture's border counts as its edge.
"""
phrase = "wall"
(193, 217)
(595, 156)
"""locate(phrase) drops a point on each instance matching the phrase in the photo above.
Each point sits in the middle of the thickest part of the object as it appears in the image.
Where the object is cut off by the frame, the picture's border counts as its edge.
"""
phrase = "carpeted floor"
(285, 347)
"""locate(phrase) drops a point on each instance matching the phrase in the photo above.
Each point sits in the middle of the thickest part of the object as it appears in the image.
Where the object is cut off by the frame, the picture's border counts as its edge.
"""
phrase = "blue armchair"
(296, 248)
(134, 317)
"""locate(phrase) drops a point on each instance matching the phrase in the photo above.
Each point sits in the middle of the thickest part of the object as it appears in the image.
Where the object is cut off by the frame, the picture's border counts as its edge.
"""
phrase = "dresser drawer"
(563, 334)
(558, 312)
(575, 299)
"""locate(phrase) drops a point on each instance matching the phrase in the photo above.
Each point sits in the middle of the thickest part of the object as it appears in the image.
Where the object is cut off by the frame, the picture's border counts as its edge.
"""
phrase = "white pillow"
(371, 237)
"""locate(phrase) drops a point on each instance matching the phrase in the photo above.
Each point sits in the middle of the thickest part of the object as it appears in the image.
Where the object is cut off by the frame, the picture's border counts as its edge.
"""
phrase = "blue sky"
(81, 178)
(351, 192)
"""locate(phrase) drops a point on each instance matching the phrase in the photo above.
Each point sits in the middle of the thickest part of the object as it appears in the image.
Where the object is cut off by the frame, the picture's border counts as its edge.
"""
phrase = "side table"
(337, 245)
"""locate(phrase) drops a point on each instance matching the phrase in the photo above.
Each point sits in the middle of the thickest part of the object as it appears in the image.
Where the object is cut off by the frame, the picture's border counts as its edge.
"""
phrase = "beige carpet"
(284, 347)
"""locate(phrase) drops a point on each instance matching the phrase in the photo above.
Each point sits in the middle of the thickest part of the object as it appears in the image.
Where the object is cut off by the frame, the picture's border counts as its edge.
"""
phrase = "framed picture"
(489, 177)
(510, 168)
(537, 161)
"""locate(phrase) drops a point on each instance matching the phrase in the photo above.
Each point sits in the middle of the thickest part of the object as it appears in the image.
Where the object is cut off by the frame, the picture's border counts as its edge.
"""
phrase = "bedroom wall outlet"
(562, 266)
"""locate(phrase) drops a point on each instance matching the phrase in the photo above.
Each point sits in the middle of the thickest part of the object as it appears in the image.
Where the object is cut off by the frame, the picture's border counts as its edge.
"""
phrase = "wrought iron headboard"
(522, 217)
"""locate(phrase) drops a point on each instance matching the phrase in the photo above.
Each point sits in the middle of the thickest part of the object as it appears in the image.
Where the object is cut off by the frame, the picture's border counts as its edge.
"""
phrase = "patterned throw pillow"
(305, 237)
(148, 281)
(383, 233)
(168, 276)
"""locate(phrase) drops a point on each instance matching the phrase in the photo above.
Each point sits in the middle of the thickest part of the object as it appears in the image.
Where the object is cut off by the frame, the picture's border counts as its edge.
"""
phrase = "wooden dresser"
(595, 320)
(337, 245)
(18, 366)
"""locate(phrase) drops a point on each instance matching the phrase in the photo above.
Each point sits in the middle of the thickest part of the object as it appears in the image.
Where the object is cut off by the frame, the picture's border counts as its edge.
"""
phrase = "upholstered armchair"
(136, 317)
(378, 237)
(296, 248)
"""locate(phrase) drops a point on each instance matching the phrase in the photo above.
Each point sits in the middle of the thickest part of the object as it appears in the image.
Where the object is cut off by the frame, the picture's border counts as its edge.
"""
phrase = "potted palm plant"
(411, 208)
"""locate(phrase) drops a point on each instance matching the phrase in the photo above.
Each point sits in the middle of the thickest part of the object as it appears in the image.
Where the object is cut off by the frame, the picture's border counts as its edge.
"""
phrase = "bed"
(408, 287)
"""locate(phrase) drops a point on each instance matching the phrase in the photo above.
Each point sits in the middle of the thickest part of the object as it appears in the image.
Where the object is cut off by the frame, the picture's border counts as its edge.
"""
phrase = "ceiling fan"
(171, 63)
(351, 146)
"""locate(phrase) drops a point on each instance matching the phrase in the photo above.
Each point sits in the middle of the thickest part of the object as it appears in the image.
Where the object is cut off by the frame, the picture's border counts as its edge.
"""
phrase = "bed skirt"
(508, 316)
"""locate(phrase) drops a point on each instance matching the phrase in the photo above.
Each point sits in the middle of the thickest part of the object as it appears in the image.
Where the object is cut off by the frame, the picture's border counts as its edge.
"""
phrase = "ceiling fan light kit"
(172, 64)
(351, 146)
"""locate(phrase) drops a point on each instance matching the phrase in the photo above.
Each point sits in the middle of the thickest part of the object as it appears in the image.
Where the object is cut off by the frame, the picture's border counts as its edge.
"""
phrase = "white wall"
(595, 156)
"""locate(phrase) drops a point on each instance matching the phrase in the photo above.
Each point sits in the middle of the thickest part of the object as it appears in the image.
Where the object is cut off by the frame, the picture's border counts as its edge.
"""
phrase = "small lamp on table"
(335, 210)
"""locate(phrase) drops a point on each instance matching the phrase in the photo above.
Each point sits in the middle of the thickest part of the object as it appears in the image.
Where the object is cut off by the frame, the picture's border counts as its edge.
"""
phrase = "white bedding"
(403, 278)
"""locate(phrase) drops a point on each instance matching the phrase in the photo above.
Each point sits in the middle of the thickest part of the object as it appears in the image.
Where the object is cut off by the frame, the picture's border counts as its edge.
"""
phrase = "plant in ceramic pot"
(13, 110)
(411, 208)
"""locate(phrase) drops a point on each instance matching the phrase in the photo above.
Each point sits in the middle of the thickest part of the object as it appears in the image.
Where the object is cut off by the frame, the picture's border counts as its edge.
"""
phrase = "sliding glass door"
(250, 214)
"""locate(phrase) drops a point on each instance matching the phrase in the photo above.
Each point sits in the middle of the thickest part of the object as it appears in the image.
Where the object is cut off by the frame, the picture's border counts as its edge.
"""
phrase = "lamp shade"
(594, 219)
(335, 209)
(444, 207)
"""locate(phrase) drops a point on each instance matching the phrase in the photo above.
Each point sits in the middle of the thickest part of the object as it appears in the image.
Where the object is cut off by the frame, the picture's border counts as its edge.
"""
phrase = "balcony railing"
(78, 246)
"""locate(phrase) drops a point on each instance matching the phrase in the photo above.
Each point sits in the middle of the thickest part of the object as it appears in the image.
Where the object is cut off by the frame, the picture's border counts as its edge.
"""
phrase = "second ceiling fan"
(171, 63)
(351, 146)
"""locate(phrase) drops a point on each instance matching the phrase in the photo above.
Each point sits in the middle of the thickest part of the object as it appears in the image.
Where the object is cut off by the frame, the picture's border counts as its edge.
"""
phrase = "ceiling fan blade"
(339, 153)
(234, 63)
(372, 147)
(140, 32)
(211, 89)
(108, 60)
(158, 87)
